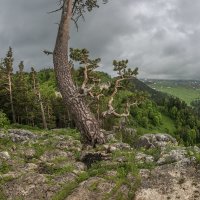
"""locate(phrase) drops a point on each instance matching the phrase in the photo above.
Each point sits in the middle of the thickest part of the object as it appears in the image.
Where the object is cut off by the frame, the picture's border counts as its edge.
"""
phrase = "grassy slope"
(167, 126)
(186, 94)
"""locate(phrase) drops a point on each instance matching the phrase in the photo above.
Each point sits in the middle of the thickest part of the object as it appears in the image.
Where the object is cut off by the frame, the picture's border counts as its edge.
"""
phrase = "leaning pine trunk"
(84, 119)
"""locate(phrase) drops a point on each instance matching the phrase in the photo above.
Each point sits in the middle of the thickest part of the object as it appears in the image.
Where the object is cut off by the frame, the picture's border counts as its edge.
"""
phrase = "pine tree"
(7, 79)
(85, 120)
(21, 93)
(36, 89)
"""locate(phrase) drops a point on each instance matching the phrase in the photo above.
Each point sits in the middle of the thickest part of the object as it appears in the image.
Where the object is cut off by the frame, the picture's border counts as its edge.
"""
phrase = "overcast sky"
(161, 37)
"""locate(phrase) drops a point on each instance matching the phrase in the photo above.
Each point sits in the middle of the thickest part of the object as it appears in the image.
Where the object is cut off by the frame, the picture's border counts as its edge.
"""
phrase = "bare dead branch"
(53, 11)
(47, 52)
(85, 81)
(60, 2)
(74, 6)
(76, 24)
(111, 110)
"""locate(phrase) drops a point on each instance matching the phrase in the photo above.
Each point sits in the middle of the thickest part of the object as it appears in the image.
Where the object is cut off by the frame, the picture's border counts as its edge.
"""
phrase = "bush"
(4, 121)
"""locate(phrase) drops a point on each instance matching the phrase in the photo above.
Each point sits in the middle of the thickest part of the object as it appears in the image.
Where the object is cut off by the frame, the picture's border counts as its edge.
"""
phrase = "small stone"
(121, 146)
(29, 153)
(5, 155)
(144, 158)
(51, 155)
(80, 166)
(145, 173)
(106, 146)
(122, 159)
(112, 149)
(155, 140)
(31, 166)
(2, 135)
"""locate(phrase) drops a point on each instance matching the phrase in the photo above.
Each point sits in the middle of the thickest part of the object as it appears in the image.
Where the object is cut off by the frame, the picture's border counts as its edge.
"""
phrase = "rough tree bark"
(84, 119)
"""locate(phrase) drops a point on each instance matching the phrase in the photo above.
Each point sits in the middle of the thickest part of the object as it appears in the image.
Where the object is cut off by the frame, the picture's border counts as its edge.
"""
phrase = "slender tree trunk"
(84, 119)
(27, 122)
(11, 98)
(37, 92)
(33, 123)
(42, 110)
(68, 118)
(48, 113)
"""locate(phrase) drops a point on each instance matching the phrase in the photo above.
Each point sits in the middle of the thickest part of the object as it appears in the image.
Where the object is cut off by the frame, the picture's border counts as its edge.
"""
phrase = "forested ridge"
(32, 99)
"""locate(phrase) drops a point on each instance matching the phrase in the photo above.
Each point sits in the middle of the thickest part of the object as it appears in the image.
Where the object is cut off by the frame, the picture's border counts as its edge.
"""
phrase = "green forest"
(32, 100)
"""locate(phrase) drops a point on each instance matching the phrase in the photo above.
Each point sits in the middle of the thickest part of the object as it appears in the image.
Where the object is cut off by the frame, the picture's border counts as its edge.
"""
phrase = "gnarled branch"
(47, 52)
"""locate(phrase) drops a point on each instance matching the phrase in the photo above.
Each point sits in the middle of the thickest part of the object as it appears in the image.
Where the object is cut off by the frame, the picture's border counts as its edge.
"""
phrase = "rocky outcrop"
(171, 181)
(101, 188)
(93, 188)
(117, 146)
(174, 155)
(41, 165)
(19, 135)
(176, 174)
(144, 158)
(155, 140)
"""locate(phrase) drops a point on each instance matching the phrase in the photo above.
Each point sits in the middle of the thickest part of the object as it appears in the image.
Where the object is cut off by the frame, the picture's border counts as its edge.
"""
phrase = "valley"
(186, 90)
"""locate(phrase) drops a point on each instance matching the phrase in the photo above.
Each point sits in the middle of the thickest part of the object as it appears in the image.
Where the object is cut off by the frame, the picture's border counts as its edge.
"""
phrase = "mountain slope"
(155, 95)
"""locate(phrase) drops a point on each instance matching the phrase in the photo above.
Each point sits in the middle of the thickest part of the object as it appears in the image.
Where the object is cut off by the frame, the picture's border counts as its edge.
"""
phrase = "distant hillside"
(186, 90)
(155, 95)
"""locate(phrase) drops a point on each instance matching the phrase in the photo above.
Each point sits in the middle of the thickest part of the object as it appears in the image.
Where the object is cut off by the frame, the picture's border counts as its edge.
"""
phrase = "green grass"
(5, 144)
(4, 167)
(99, 170)
(167, 126)
(55, 170)
(186, 94)
(2, 195)
(67, 132)
(69, 187)
(192, 153)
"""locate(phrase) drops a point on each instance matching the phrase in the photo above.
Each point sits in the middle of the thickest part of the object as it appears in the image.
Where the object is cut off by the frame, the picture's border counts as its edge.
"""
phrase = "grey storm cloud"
(160, 37)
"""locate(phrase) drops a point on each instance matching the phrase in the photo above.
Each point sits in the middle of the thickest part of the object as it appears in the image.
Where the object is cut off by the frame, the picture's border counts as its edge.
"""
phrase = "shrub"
(4, 121)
